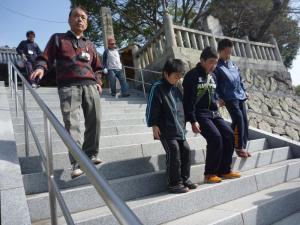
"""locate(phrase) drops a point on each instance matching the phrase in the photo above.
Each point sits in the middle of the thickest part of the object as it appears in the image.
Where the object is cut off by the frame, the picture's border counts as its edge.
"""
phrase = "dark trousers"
(178, 161)
(29, 70)
(112, 75)
(238, 114)
(219, 138)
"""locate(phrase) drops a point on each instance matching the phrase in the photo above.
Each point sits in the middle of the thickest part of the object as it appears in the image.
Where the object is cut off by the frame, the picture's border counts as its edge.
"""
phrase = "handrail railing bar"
(62, 203)
(118, 208)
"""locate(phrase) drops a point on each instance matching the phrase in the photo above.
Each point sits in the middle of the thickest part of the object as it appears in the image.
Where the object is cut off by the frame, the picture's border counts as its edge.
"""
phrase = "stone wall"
(273, 98)
(271, 105)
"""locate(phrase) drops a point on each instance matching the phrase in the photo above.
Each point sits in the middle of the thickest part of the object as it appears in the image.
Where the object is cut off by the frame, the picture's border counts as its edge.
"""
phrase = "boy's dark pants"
(238, 114)
(219, 138)
(177, 160)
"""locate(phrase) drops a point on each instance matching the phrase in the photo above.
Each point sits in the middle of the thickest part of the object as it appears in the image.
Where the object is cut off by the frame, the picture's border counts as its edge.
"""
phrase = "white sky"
(295, 70)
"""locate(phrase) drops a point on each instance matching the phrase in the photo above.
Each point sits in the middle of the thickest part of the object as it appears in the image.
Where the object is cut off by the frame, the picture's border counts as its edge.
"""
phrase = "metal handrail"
(118, 207)
(142, 77)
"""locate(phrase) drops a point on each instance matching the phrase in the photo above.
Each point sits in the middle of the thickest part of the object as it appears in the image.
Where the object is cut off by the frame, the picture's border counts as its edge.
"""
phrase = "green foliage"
(138, 20)
(297, 90)
(245, 18)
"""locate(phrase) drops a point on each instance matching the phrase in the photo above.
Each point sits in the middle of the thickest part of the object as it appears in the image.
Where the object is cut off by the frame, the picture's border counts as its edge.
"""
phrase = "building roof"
(7, 54)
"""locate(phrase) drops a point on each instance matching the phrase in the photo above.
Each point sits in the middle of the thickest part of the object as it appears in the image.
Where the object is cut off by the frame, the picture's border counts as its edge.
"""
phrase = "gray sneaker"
(35, 86)
(95, 160)
(76, 171)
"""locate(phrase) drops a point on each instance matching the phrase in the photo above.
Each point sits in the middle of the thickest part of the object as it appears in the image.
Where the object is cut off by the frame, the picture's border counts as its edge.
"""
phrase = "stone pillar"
(212, 40)
(277, 52)
(179, 38)
(169, 31)
(193, 41)
(248, 47)
(136, 58)
(136, 62)
(107, 24)
(201, 42)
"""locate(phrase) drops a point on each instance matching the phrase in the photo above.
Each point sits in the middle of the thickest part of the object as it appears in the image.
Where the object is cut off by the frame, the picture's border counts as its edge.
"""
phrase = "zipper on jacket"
(176, 118)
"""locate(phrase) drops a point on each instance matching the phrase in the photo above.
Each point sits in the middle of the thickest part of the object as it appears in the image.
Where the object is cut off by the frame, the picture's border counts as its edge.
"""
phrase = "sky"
(14, 26)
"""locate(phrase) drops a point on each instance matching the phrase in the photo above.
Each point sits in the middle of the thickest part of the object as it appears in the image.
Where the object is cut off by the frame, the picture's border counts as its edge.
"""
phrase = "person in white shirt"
(113, 67)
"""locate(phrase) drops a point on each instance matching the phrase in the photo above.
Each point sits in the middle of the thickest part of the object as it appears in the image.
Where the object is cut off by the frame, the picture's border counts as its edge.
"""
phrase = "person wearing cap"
(113, 67)
(29, 50)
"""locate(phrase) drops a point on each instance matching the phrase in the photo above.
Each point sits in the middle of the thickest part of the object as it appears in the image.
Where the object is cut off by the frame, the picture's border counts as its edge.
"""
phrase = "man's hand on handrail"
(38, 73)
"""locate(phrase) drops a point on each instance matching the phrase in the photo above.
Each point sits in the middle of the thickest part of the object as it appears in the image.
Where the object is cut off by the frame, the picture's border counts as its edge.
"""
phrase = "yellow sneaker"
(231, 175)
(211, 179)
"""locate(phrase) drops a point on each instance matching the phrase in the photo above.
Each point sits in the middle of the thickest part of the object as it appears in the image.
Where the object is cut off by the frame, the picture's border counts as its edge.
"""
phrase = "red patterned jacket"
(66, 51)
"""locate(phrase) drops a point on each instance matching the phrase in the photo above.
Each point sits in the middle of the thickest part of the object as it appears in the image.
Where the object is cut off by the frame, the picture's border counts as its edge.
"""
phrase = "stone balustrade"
(175, 36)
(152, 50)
(189, 38)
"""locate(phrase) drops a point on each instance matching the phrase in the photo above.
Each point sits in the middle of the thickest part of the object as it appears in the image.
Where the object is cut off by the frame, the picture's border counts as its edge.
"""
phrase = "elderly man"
(79, 83)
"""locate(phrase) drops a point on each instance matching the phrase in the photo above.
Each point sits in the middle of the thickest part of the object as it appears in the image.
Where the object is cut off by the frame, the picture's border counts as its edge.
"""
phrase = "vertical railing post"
(50, 173)
(9, 74)
(143, 83)
(11, 81)
(25, 119)
(16, 91)
(277, 52)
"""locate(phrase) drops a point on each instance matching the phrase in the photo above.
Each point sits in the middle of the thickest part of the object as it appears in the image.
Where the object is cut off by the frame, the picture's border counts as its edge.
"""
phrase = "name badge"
(30, 52)
(84, 56)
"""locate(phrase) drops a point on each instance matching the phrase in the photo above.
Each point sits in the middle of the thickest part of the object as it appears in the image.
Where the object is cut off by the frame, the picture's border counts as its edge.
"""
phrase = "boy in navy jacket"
(165, 115)
(201, 110)
(232, 92)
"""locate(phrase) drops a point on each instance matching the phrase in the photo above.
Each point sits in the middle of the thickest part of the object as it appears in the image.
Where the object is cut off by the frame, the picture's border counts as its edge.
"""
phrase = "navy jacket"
(199, 99)
(229, 82)
(165, 110)
(30, 49)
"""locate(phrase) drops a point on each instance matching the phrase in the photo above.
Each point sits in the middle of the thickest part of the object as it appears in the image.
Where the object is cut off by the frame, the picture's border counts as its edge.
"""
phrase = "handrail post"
(143, 83)
(11, 82)
(16, 92)
(25, 119)
(50, 174)
(9, 74)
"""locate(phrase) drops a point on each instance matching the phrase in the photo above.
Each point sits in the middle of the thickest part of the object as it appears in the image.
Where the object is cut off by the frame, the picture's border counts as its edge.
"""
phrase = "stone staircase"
(134, 164)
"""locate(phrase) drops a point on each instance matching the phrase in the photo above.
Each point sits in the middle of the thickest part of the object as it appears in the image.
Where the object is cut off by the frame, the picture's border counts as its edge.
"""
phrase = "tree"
(258, 19)
(138, 20)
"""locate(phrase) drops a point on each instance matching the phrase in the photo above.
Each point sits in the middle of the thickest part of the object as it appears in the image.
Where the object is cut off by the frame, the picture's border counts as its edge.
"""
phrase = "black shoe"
(125, 95)
(178, 189)
(190, 185)
(95, 160)
(113, 94)
(76, 171)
